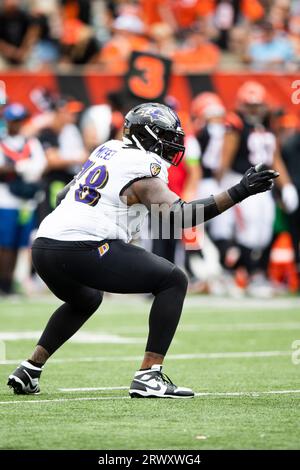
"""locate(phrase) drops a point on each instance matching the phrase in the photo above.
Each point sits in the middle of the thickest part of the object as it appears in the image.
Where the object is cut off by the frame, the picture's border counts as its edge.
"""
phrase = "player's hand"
(258, 179)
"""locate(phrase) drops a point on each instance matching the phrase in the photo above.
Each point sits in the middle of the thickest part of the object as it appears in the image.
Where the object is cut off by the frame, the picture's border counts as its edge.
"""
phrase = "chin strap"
(137, 142)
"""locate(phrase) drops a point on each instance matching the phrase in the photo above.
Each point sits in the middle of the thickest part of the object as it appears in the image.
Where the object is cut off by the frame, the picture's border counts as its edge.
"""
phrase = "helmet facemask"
(168, 144)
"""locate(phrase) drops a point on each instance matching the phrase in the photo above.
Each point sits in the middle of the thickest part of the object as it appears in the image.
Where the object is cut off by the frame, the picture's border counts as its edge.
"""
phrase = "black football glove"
(256, 180)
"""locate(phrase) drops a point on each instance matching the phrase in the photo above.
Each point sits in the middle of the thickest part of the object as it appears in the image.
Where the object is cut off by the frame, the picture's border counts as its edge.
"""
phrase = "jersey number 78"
(96, 179)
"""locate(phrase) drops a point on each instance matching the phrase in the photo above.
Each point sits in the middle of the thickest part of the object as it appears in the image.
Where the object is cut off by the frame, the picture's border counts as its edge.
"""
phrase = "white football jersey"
(92, 209)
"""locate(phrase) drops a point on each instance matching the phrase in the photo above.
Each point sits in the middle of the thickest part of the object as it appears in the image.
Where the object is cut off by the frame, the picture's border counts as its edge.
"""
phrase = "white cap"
(129, 23)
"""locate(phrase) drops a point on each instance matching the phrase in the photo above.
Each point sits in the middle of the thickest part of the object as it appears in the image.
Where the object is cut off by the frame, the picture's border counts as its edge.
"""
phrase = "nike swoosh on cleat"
(31, 386)
(158, 387)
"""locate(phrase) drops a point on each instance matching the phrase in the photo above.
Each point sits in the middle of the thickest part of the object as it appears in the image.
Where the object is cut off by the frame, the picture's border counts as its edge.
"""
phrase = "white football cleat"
(25, 379)
(152, 383)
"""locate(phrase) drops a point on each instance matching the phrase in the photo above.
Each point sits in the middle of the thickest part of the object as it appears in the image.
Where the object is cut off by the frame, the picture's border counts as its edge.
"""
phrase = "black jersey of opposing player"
(257, 142)
(210, 139)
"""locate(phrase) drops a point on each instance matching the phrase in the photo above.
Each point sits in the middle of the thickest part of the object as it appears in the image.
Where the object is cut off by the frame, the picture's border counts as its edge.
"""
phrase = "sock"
(35, 364)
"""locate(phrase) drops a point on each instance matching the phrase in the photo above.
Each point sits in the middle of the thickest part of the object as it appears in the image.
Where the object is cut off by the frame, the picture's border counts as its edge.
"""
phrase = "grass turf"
(107, 419)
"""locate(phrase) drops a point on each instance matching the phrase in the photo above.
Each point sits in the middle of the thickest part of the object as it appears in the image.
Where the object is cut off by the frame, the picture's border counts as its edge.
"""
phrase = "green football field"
(236, 354)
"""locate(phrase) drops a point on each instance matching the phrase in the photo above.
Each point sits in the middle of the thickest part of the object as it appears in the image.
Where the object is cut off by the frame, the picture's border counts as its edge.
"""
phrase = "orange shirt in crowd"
(116, 52)
(186, 12)
(203, 58)
(252, 10)
(151, 11)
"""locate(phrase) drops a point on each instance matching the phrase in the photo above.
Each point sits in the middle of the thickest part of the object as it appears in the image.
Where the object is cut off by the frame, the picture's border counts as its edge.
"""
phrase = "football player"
(249, 139)
(82, 248)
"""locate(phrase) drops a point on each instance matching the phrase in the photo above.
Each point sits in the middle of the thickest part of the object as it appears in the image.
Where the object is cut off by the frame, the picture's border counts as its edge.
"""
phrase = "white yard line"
(61, 400)
(199, 394)
(244, 394)
(170, 357)
(92, 389)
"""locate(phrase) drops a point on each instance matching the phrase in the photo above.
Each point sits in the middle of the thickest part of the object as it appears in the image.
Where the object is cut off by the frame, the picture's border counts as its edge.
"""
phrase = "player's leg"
(114, 267)
(254, 235)
(80, 302)
(121, 268)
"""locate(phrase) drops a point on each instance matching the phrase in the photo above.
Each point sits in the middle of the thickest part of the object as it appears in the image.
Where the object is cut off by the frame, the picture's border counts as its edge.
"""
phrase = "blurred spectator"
(77, 41)
(187, 12)
(198, 54)
(294, 36)
(46, 49)
(64, 150)
(163, 39)
(237, 47)
(231, 13)
(156, 11)
(128, 35)
(280, 14)
(80, 9)
(295, 7)
(22, 162)
(270, 51)
(18, 32)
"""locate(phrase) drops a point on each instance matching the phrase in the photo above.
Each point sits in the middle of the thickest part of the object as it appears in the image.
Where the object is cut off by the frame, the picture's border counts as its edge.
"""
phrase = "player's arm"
(153, 191)
(231, 143)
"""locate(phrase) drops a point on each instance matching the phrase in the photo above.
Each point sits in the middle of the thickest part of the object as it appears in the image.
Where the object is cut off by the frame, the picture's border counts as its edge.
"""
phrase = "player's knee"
(89, 304)
(180, 279)
(176, 279)
(95, 302)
